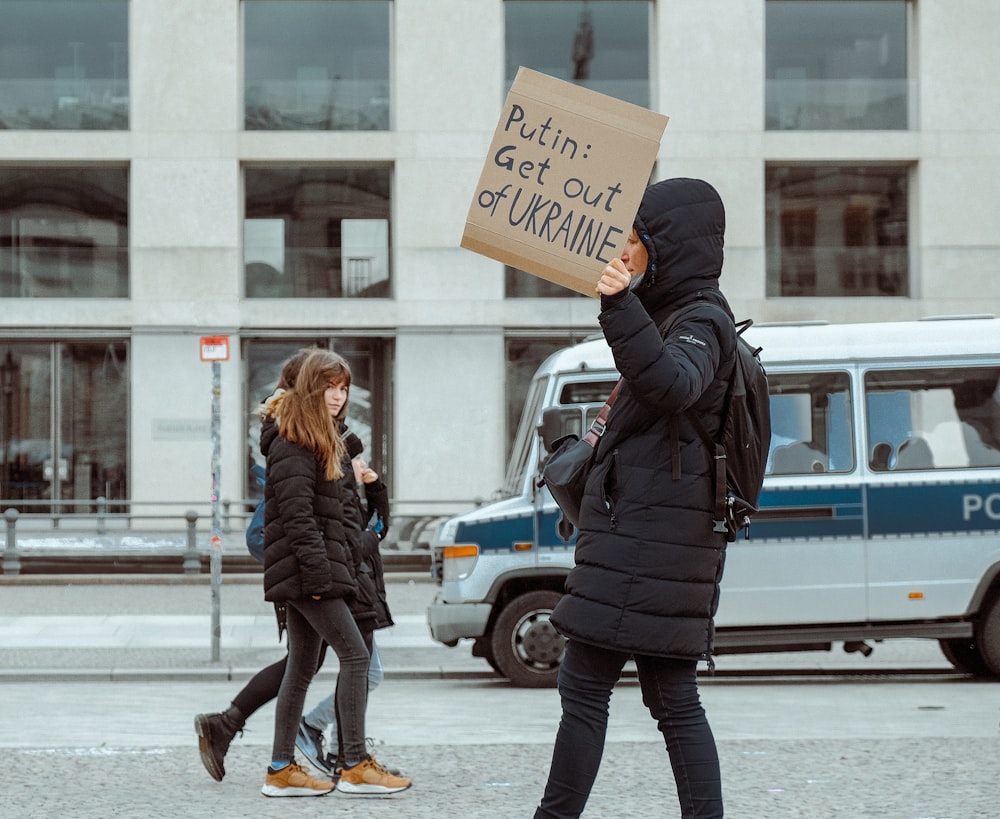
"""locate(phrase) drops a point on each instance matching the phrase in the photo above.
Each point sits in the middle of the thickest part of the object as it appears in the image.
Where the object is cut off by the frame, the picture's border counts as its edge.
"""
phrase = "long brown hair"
(301, 411)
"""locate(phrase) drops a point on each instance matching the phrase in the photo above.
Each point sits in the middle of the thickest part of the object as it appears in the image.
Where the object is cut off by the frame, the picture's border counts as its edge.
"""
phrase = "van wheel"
(988, 639)
(526, 646)
(484, 648)
(962, 653)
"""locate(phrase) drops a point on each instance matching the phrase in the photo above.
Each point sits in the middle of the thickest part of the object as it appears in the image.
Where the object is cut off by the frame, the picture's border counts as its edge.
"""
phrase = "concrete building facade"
(443, 332)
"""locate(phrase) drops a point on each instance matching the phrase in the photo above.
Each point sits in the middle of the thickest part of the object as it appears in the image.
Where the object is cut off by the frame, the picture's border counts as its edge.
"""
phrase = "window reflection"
(521, 285)
(933, 419)
(64, 232)
(317, 232)
(64, 64)
(600, 44)
(811, 428)
(317, 65)
(837, 231)
(68, 398)
(837, 64)
(368, 404)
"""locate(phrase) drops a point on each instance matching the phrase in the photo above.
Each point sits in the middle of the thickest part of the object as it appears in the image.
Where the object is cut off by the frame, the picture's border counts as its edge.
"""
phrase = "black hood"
(268, 432)
(682, 223)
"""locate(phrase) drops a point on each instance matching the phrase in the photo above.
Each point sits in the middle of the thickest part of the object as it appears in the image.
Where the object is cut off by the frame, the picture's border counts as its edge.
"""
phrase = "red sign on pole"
(215, 348)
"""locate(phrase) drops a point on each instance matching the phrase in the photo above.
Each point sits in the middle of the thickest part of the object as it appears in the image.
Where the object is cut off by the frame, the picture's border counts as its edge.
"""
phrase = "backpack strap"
(719, 463)
(597, 428)
(714, 445)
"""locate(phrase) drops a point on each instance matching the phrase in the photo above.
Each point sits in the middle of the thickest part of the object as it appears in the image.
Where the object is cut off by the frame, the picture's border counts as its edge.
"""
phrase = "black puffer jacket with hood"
(370, 606)
(648, 563)
(306, 547)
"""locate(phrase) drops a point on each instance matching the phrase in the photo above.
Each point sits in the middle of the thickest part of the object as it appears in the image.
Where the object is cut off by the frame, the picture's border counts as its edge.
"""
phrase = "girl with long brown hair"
(308, 565)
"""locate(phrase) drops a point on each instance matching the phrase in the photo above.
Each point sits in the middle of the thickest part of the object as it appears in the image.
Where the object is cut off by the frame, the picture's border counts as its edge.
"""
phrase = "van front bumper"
(451, 622)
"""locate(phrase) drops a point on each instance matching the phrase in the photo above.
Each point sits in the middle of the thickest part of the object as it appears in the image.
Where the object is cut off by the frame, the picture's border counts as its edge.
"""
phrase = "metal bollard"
(226, 525)
(192, 561)
(102, 510)
(11, 560)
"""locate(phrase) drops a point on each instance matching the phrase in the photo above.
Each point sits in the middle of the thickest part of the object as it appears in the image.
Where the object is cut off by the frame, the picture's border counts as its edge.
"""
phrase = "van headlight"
(458, 561)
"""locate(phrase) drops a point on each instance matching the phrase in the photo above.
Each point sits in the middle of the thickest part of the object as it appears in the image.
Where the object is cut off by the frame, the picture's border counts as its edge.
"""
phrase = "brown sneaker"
(368, 777)
(292, 780)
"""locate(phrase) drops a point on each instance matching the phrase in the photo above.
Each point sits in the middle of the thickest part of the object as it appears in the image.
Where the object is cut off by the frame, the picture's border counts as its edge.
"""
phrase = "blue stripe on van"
(804, 513)
(936, 508)
(498, 533)
(809, 513)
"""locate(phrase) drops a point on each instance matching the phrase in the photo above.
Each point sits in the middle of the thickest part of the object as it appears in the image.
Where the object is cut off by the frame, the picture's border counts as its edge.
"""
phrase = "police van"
(879, 519)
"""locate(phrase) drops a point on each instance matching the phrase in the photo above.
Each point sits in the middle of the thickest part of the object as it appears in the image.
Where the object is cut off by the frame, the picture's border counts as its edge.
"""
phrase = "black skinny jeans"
(670, 692)
(263, 686)
(310, 624)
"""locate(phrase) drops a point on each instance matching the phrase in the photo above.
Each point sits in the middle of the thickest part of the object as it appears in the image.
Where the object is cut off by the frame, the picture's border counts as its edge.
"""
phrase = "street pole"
(216, 554)
(216, 350)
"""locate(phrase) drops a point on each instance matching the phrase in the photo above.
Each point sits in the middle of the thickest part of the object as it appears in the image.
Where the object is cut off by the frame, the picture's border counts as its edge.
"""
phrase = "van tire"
(963, 654)
(526, 647)
(988, 638)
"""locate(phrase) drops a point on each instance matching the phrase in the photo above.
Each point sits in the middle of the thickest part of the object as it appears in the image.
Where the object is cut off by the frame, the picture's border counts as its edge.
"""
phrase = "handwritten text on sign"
(562, 181)
(569, 220)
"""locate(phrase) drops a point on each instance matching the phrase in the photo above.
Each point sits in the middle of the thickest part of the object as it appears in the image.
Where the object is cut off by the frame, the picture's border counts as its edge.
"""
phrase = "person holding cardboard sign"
(648, 559)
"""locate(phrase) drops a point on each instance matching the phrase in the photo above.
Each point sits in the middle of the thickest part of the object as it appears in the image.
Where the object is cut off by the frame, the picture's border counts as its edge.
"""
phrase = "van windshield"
(525, 439)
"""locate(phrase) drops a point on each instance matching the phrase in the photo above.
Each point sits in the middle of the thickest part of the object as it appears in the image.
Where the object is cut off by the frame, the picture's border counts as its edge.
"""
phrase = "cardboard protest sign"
(563, 180)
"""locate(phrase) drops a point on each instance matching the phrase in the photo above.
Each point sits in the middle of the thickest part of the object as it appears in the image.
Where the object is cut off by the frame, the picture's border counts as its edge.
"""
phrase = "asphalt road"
(821, 740)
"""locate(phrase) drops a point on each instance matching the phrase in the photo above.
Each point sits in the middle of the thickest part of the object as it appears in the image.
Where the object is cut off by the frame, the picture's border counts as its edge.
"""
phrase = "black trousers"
(587, 677)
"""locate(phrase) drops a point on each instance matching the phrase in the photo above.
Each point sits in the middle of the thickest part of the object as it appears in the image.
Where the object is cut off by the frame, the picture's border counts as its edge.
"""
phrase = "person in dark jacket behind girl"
(370, 606)
(645, 584)
(310, 566)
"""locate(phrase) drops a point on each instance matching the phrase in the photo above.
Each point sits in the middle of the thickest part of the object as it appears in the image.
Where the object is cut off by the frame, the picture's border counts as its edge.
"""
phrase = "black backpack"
(741, 448)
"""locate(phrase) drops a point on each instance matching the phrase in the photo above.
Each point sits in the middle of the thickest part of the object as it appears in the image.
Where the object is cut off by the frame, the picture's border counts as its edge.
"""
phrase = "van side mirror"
(558, 422)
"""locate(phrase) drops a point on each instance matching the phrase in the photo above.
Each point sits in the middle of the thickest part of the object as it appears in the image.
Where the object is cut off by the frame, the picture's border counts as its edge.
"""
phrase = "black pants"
(311, 623)
(263, 686)
(670, 692)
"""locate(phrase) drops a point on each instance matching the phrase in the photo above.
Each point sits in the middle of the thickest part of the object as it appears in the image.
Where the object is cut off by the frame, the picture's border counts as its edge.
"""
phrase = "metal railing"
(11, 563)
(409, 532)
(100, 511)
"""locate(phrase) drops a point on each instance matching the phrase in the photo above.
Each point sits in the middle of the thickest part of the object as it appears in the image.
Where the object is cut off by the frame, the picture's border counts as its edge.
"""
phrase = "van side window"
(811, 428)
(943, 418)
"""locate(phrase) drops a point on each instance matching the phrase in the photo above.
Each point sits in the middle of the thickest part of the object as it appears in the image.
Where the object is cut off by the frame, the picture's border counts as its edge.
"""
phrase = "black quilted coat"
(648, 564)
(306, 546)
(370, 606)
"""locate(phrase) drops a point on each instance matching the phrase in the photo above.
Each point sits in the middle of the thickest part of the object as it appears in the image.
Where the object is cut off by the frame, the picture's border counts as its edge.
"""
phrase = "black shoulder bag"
(565, 471)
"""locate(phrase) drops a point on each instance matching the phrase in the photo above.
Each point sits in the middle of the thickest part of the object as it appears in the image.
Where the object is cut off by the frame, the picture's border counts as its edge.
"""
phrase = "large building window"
(317, 232)
(317, 65)
(64, 232)
(369, 404)
(63, 425)
(521, 285)
(600, 44)
(837, 230)
(837, 65)
(64, 64)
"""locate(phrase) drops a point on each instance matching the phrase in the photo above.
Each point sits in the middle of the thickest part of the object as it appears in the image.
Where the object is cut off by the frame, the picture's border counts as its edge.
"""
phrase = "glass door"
(63, 424)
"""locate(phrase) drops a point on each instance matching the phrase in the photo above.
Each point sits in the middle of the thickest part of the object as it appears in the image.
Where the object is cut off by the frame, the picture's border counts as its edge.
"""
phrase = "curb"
(208, 675)
(228, 579)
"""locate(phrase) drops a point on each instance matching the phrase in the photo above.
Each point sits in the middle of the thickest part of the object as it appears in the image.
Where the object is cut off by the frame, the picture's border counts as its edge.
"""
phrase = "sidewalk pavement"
(161, 627)
(921, 748)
